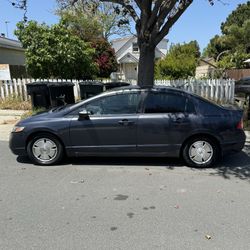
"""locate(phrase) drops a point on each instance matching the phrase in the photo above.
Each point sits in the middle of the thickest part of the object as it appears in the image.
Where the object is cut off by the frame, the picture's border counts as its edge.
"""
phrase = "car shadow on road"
(116, 161)
(237, 165)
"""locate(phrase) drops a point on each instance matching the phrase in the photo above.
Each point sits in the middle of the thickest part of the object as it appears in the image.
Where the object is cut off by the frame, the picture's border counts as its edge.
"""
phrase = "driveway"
(104, 203)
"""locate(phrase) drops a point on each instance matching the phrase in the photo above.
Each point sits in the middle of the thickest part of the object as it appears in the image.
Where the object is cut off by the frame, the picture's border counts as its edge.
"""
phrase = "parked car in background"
(133, 121)
(243, 85)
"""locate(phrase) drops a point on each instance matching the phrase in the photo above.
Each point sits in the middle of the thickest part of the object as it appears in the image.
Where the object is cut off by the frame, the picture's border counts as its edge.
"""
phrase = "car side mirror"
(84, 114)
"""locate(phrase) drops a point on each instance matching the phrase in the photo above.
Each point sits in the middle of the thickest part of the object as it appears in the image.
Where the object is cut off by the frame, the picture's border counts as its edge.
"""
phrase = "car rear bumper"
(236, 145)
(233, 147)
(17, 143)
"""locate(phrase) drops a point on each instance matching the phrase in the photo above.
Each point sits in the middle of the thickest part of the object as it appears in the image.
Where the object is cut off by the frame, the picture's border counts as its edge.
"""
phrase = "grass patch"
(15, 103)
(32, 112)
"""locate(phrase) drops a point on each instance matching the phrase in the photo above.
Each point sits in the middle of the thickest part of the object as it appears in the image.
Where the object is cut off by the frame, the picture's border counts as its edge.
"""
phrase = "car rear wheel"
(200, 152)
(45, 149)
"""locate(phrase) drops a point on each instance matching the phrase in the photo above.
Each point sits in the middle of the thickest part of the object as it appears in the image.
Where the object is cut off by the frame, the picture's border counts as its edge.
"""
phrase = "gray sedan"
(133, 121)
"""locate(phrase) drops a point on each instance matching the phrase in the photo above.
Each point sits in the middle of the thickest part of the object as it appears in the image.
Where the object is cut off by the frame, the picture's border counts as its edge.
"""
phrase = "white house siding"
(128, 59)
(204, 71)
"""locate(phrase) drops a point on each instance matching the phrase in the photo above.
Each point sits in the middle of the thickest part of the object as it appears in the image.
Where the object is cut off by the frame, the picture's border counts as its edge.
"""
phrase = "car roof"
(155, 87)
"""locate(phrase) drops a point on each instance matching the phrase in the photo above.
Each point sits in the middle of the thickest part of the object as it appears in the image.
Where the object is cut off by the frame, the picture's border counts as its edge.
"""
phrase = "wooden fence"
(214, 89)
(237, 74)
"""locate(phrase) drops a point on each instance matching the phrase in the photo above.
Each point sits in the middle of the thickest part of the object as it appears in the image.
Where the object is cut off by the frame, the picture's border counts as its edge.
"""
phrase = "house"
(12, 54)
(127, 54)
(206, 68)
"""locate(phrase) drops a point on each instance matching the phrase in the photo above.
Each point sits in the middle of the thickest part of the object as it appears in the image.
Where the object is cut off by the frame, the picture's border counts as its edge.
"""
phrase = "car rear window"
(207, 108)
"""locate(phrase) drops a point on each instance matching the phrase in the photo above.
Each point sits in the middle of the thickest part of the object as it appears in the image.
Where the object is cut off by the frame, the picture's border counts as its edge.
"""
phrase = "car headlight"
(17, 129)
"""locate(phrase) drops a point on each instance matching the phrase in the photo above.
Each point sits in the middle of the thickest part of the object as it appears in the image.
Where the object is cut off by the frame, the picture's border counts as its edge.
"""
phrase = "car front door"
(165, 121)
(110, 128)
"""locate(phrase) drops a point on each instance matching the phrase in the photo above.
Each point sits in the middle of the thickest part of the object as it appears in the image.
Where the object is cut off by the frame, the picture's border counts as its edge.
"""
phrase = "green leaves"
(93, 18)
(233, 46)
(56, 52)
(180, 62)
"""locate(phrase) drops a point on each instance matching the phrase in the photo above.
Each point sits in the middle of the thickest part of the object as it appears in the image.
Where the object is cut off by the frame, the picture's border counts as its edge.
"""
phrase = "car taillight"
(240, 124)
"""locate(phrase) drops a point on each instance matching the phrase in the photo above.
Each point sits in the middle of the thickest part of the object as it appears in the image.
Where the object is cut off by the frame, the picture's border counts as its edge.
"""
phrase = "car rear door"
(111, 127)
(165, 122)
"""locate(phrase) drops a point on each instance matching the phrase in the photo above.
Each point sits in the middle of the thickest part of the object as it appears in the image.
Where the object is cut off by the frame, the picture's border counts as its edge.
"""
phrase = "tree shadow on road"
(237, 165)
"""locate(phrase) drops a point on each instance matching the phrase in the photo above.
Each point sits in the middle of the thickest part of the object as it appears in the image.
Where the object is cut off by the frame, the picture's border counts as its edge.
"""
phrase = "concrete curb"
(247, 133)
(8, 112)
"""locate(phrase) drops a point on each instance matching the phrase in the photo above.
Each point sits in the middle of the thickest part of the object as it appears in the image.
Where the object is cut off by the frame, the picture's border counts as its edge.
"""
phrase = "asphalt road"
(124, 204)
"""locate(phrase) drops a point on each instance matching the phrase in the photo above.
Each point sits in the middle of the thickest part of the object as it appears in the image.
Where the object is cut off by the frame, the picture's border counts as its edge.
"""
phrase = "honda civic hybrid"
(133, 122)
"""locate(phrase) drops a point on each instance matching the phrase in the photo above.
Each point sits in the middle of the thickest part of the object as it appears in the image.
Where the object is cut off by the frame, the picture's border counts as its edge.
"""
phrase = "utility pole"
(7, 31)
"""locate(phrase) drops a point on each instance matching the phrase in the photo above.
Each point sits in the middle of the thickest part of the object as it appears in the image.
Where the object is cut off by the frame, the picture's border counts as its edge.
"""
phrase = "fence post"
(15, 88)
(11, 88)
(6, 89)
(226, 91)
(232, 89)
(2, 90)
(19, 84)
(25, 89)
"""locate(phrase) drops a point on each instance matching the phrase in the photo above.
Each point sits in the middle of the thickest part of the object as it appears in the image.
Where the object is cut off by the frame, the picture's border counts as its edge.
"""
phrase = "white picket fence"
(214, 89)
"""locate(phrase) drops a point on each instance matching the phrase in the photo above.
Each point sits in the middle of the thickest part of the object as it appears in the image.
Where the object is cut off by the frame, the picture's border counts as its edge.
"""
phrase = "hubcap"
(44, 150)
(201, 152)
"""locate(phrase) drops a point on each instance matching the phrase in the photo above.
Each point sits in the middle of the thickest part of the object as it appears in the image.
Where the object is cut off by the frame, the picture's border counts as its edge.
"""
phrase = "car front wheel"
(45, 149)
(200, 152)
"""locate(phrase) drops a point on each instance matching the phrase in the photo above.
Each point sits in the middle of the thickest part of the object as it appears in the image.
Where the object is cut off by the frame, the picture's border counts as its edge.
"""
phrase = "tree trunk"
(146, 65)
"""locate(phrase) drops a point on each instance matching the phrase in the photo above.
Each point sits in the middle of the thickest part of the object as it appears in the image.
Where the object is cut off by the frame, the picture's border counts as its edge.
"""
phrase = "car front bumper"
(17, 143)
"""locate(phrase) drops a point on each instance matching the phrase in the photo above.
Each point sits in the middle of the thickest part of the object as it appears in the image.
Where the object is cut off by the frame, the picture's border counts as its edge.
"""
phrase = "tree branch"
(184, 4)
(145, 15)
(167, 7)
(139, 3)
(153, 17)
(128, 7)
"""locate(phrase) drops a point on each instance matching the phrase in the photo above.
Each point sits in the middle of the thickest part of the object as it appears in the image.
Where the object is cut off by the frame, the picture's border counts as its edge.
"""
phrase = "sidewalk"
(8, 118)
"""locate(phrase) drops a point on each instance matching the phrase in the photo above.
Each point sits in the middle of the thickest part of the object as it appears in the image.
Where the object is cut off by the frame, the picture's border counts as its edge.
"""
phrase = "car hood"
(46, 115)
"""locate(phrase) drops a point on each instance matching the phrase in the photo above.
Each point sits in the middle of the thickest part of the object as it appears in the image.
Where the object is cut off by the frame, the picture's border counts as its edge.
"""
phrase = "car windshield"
(56, 109)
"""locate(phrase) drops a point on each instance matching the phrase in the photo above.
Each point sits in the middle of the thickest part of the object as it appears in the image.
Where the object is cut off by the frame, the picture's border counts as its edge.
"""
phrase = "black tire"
(55, 153)
(203, 158)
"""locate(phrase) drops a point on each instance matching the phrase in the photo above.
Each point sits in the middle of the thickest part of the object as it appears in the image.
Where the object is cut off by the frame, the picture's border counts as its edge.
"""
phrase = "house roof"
(159, 51)
(10, 44)
(209, 61)
(128, 58)
(119, 43)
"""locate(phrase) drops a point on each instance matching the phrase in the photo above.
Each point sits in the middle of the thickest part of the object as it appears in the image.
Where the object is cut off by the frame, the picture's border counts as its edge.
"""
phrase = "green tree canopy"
(55, 52)
(153, 20)
(88, 29)
(104, 17)
(104, 57)
(232, 47)
(237, 17)
(180, 61)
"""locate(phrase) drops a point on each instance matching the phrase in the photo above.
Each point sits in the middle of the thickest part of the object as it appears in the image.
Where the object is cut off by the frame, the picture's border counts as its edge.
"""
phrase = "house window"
(135, 48)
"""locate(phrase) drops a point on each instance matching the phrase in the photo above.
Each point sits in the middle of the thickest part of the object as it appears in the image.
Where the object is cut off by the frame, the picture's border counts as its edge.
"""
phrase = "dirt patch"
(5, 122)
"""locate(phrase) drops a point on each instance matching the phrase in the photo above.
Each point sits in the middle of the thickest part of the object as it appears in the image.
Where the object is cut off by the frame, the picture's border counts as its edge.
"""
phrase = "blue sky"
(200, 22)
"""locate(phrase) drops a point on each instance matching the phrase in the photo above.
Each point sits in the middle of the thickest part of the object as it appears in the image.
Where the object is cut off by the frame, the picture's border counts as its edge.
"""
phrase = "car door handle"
(126, 122)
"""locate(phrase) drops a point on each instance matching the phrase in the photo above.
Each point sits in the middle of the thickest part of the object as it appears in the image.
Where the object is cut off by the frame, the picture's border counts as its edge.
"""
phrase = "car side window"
(124, 103)
(166, 103)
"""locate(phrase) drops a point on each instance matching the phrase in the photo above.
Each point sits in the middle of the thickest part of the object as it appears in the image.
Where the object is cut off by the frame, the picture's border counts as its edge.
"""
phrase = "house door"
(131, 71)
